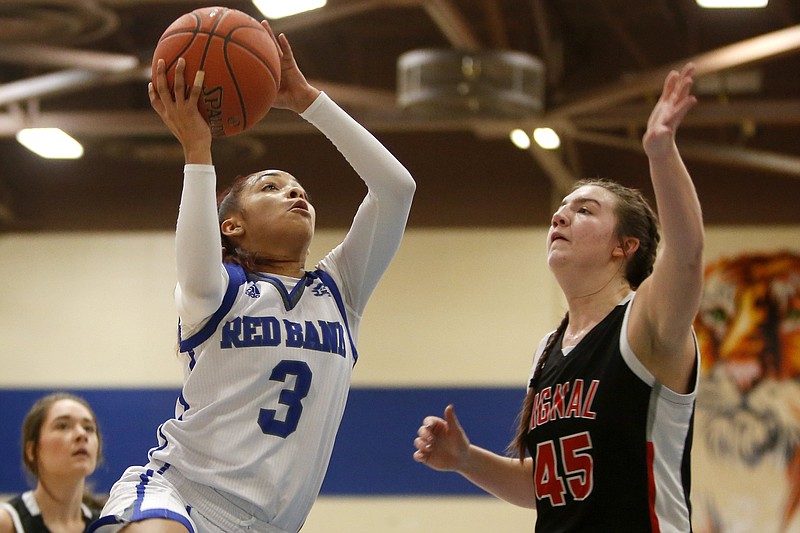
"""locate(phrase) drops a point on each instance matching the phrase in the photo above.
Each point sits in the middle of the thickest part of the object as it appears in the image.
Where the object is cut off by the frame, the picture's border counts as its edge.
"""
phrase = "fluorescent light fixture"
(50, 143)
(546, 138)
(734, 4)
(520, 139)
(275, 9)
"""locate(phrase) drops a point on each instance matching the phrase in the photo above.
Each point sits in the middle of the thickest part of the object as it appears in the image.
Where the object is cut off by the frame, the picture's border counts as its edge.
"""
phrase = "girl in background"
(61, 446)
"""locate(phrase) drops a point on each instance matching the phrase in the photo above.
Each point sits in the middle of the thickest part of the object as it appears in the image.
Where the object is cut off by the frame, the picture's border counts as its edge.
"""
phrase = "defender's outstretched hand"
(441, 443)
(676, 100)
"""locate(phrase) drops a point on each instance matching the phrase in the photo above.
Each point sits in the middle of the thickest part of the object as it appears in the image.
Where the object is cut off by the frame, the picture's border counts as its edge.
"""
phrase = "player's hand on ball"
(441, 443)
(295, 93)
(177, 108)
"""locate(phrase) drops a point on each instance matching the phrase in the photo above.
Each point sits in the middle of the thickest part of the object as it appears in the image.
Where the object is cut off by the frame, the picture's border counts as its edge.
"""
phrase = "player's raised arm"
(668, 300)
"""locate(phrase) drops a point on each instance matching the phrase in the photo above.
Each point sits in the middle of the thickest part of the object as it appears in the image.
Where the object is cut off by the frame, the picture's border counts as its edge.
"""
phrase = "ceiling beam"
(46, 85)
(54, 56)
(109, 124)
(557, 172)
(705, 114)
(618, 28)
(358, 95)
(735, 55)
(497, 26)
(64, 81)
(453, 24)
(550, 46)
(729, 156)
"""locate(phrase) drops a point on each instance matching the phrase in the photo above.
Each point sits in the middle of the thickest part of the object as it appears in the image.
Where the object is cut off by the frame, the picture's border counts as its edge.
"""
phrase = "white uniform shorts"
(158, 491)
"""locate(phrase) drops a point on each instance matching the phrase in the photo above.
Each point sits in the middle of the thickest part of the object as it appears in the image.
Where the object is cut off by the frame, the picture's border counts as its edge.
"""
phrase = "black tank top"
(25, 513)
(601, 441)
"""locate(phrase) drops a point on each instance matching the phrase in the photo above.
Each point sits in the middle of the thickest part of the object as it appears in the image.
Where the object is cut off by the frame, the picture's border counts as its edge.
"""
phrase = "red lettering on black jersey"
(549, 403)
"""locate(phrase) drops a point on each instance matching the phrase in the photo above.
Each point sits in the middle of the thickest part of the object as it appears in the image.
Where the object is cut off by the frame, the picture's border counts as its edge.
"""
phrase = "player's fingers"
(669, 84)
(420, 456)
(422, 443)
(151, 93)
(684, 87)
(683, 81)
(267, 27)
(155, 101)
(432, 422)
(685, 105)
(286, 48)
(180, 81)
(197, 86)
(161, 81)
(450, 416)
(424, 431)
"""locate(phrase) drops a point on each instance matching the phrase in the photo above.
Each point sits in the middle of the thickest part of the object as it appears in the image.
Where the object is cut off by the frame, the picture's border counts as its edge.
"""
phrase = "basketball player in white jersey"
(268, 346)
(606, 429)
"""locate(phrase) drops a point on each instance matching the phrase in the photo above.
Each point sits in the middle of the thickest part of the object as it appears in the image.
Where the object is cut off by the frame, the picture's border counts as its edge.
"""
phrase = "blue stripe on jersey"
(337, 296)
(161, 446)
(139, 514)
(236, 277)
(184, 403)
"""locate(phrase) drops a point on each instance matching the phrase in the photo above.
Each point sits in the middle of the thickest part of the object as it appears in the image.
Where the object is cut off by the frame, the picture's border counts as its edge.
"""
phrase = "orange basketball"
(240, 59)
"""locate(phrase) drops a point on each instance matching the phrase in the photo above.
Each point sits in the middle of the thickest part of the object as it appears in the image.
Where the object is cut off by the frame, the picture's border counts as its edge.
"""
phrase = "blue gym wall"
(372, 455)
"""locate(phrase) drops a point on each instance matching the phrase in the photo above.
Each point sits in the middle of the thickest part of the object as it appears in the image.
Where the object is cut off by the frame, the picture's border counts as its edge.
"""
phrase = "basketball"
(240, 59)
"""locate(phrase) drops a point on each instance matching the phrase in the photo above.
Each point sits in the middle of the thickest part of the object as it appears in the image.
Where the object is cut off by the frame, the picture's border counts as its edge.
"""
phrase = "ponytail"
(518, 446)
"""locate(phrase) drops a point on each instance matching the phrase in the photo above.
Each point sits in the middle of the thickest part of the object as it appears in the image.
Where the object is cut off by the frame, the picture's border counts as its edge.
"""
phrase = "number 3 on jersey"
(290, 397)
(577, 469)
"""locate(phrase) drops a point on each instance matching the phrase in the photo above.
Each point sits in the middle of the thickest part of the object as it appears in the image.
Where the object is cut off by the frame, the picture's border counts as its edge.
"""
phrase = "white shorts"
(158, 491)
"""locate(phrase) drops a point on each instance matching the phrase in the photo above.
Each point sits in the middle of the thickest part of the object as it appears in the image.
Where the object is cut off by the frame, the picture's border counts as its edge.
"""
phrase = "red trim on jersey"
(651, 489)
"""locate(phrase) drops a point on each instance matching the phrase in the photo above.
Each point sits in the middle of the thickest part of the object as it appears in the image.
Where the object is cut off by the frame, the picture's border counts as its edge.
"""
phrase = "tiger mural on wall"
(746, 474)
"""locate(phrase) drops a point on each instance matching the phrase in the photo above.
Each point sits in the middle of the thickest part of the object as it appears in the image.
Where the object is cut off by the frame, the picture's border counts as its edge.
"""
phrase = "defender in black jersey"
(26, 516)
(605, 432)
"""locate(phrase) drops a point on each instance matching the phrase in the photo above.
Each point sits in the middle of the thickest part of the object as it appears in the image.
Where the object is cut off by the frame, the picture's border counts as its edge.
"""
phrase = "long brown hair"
(635, 218)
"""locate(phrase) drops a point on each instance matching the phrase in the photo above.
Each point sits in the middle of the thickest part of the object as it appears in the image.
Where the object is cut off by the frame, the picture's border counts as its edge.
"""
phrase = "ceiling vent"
(490, 83)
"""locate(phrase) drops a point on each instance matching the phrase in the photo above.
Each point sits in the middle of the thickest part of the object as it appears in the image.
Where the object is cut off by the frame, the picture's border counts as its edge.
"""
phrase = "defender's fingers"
(421, 457)
(450, 416)
(422, 444)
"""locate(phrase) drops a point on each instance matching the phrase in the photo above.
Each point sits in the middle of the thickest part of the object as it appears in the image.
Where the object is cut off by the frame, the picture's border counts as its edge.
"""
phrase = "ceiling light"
(275, 9)
(50, 143)
(715, 4)
(546, 138)
(520, 139)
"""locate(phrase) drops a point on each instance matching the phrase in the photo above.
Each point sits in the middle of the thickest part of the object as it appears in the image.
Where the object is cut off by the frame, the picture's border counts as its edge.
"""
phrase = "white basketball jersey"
(267, 379)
